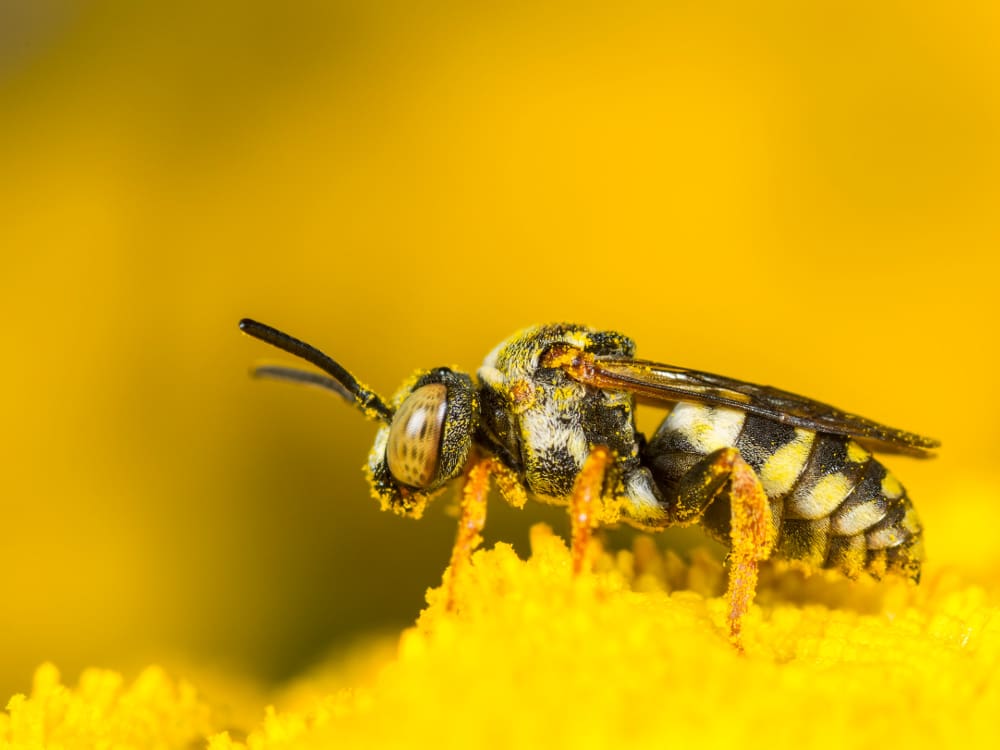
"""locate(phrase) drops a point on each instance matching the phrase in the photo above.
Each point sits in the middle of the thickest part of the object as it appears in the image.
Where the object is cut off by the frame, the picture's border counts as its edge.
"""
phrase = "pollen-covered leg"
(752, 532)
(752, 536)
(585, 501)
(471, 522)
(509, 485)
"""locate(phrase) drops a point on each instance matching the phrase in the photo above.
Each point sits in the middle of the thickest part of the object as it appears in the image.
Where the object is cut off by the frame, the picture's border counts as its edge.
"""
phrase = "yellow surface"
(535, 658)
(802, 194)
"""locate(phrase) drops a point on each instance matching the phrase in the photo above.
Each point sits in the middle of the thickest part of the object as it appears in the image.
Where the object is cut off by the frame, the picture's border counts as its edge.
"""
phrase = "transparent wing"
(661, 382)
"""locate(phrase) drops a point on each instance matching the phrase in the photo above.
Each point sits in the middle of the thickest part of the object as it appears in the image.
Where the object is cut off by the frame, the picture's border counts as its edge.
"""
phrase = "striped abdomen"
(833, 504)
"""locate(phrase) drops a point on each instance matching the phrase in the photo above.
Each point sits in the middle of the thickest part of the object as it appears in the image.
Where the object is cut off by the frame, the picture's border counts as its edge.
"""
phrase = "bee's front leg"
(471, 522)
(584, 502)
(752, 533)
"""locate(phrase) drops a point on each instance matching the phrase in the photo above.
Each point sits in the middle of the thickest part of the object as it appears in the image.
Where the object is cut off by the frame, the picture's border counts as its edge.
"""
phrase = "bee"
(551, 415)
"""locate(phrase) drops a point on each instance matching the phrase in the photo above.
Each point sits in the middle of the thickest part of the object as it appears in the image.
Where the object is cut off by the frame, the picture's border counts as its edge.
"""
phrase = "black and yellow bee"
(551, 415)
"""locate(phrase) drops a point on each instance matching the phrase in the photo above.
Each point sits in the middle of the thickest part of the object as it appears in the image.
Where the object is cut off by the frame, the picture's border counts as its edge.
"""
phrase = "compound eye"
(415, 436)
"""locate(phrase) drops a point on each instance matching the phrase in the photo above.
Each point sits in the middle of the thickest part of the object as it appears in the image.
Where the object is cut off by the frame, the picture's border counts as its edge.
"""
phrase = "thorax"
(542, 423)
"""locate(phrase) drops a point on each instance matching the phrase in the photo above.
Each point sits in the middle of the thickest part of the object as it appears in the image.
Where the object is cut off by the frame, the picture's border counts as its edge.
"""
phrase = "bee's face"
(427, 442)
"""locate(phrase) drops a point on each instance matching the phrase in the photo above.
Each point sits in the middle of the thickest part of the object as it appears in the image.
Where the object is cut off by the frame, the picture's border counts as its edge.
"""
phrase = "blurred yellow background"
(799, 194)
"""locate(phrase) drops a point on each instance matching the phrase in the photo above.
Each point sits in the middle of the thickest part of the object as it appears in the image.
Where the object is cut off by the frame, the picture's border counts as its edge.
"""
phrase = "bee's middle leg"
(752, 532)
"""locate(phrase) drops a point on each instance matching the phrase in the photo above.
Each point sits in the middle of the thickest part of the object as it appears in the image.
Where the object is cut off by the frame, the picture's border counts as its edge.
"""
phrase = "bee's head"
(427, 440)
(427, 431)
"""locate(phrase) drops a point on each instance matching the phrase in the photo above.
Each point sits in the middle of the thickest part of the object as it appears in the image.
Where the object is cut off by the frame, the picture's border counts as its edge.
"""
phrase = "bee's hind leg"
(752, 533)
(584, 503)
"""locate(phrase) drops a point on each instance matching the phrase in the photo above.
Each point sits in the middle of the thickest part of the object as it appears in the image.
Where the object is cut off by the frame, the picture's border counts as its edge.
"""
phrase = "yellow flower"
(633, 655)
(101, 712)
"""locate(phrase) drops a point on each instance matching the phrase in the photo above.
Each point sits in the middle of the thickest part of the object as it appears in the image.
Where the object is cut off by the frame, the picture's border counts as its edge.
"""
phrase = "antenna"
(340, 381)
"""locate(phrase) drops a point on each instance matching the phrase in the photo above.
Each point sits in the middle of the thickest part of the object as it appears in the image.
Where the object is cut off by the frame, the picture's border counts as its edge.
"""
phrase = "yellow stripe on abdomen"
(705, 428)
(782, 469)
(824, 497)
